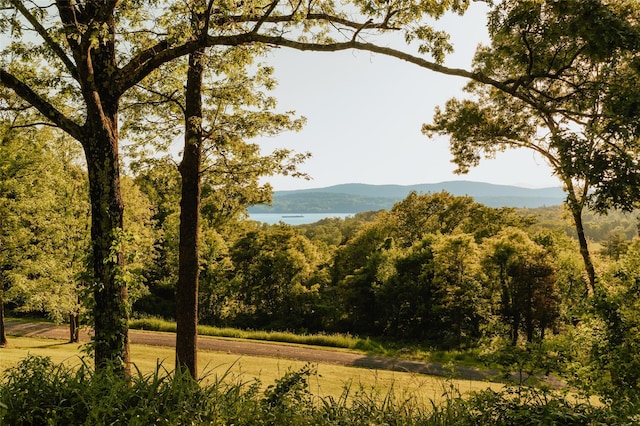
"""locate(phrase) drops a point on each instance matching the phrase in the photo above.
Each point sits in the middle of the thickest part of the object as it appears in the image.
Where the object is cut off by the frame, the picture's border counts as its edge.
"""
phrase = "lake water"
(294, 218)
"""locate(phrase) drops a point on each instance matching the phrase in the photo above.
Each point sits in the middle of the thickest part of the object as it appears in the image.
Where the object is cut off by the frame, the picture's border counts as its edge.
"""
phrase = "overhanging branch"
(41, 30)
(46, 109)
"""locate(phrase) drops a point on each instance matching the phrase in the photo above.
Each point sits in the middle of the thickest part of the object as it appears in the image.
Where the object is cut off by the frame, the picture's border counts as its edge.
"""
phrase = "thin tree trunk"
(187, 292)
(576, 213)
(74, 328)
(3, 334)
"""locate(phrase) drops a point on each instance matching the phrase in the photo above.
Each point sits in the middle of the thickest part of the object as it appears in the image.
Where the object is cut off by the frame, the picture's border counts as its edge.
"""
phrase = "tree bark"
(3, 334)
(110, 312)
(74, 328)
(97, 71)
(576, 213)
(188, 260)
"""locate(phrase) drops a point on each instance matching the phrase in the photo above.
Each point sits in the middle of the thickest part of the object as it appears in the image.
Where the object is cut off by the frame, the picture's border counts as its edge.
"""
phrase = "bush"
(525, 406)
(38, 392)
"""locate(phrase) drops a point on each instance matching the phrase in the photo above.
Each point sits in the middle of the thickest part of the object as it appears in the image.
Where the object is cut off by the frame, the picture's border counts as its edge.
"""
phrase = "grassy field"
(367, 345)
(330, 380)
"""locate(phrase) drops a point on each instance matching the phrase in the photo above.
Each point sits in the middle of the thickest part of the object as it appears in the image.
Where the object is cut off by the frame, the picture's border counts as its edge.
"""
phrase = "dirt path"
(262, 349)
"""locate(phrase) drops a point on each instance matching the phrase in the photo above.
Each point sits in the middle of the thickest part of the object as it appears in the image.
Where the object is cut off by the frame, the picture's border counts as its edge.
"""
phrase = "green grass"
(370, 346)
(40, 390)
(329, 380)
(367, 345)
(327, 340)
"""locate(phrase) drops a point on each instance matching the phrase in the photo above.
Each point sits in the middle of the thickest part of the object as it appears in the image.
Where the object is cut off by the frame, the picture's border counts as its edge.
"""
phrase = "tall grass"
(328, 340)
(39, 392)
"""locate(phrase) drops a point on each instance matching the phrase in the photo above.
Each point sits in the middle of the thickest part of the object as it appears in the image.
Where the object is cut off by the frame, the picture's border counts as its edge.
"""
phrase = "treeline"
(436, 267)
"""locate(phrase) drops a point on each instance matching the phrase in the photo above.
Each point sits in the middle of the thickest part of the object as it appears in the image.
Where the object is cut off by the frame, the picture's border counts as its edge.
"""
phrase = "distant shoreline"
(295, 219)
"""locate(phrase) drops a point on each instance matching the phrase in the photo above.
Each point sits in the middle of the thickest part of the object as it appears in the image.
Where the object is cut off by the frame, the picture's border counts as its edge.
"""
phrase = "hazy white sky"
(364, 115)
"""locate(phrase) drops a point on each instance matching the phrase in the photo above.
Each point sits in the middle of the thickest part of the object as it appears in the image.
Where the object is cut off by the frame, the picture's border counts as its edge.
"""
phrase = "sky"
(365, 112)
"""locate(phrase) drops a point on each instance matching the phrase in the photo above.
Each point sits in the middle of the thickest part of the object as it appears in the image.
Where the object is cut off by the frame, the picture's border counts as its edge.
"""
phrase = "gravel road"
(262, 349)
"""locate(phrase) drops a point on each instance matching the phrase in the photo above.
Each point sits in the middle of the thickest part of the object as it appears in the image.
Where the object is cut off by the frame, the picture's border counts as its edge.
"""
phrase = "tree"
(221, 109)
(46, 201)
(418, 215)
(613, 333)
(276, 276)
(457, 276)
(88, 56)
(529, 297)
(16, 167)
(48, 274)
(408, 300)
(41, 236)
(232, 117)
(566, 90)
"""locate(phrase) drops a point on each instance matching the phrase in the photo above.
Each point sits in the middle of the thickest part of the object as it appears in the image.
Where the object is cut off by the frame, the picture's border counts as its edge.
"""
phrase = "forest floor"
(267, 349)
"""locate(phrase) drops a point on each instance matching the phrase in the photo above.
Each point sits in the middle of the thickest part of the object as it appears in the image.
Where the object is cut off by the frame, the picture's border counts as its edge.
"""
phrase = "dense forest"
(435, 269)
(428, 269)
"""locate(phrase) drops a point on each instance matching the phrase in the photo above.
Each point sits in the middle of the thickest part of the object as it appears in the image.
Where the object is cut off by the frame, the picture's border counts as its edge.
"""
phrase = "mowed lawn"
(330, 379)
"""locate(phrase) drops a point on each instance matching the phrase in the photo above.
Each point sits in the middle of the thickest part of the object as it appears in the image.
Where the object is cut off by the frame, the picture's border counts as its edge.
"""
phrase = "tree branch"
(49, 111)
(387, 51)
(265, 16)
(55, 47)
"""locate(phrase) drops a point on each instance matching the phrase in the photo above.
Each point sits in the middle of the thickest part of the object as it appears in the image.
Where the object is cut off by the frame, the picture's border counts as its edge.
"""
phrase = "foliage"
(46, 253)
(561, 67)
(615, 344)
(276, 276)
(527, 406)
(597, 227)
(37, 391)
(43, 233)
(79, 64)
(526, 283)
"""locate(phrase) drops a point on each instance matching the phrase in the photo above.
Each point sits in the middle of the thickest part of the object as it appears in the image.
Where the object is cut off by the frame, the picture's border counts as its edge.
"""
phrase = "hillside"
(357, 197)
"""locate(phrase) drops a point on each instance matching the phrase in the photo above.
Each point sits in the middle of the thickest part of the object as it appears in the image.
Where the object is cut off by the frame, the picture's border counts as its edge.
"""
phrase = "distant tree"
(20, 159)
(48, 271)
(48, 274)
(529, 297)
(409, 300)
(418, 215)
(615, 244)
(354, 274)
(559, 78)
(276, 276)
(458, 276)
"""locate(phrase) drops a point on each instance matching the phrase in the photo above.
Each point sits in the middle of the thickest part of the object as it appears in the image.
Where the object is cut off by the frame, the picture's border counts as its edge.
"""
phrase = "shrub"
(38, 392)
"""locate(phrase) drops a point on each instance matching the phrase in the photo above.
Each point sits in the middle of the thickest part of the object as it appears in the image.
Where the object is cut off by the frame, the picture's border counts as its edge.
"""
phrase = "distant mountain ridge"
(359, 197)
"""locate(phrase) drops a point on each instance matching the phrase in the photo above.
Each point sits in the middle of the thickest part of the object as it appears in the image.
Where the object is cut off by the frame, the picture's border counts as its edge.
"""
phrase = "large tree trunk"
(187, 291)
(110, 312)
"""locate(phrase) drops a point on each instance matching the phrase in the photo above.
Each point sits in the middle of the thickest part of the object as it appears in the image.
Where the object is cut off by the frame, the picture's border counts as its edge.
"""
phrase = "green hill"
(356, 197)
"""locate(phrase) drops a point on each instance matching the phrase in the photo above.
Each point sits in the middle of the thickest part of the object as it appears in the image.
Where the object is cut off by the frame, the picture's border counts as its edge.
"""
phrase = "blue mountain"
(357, 197)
